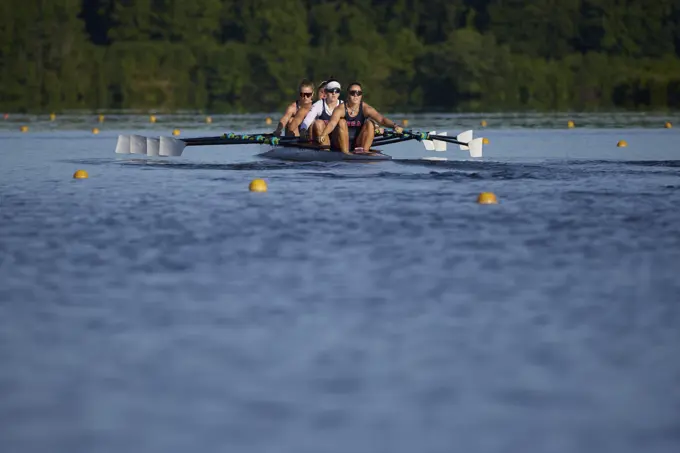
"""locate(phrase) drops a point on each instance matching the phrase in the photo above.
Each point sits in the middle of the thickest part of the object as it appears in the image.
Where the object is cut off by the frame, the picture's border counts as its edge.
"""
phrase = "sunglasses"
(355, 92)
(333, 90)
(305, 95)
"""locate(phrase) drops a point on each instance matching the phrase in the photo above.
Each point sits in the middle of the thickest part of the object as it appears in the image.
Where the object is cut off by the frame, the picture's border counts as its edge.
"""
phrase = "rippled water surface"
(159, 306)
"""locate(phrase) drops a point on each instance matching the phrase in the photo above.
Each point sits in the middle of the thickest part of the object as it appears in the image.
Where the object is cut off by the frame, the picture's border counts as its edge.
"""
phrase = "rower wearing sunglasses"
(354, 121)
(299, 108)
(296, 121)
(320, 113)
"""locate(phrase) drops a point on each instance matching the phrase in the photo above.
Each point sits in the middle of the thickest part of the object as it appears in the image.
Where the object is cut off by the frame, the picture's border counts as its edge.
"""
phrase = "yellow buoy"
(53, 116)
(621, 144)
(485, 141)
(101, 118)
(483, 123)
(405, 123)
(267, 120)
(80, 174)
(487, 198)
(95, 130)
(258, 185)
(152, 118)
(23, 128)
(208, 120)
(668, 125)
(570, 124)
(175, 132)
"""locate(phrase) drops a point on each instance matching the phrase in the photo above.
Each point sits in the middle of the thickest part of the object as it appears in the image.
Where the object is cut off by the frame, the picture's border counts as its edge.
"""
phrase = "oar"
(473, 145)
(433, 141)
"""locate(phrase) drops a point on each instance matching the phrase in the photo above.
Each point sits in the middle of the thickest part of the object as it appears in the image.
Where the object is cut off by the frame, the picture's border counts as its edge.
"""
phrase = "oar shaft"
(198, 140)
(242, 140)
(390, 140)
(226, 136)
(427, 136)
(445, 138)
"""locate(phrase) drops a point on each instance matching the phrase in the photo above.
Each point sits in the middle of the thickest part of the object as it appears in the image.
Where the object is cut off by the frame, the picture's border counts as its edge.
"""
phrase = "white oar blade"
(429, 144)
(476, 147)
(123, 144)
(171, 147)
(137, 144)
(440, 145)
(152, 146)
(464, 137)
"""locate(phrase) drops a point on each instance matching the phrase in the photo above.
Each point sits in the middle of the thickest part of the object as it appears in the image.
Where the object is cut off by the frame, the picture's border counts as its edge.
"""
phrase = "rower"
(321, 90)
(358, 132)
(302, 104)
(320, 113)
(295, 122)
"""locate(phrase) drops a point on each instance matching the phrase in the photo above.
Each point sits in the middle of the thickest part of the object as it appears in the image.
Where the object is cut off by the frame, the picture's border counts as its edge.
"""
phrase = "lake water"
(159, 306)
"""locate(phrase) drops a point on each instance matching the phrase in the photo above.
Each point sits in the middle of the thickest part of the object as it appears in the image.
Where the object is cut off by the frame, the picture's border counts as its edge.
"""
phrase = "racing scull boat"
(294, 149)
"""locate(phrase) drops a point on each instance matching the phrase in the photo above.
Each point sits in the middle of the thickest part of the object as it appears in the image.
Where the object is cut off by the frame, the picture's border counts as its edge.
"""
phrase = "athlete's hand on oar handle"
(321, 139)
(397, 128)
(377, 128)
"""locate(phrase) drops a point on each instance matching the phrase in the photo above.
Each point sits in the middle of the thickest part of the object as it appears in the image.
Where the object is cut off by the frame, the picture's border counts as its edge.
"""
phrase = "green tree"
(543, 28)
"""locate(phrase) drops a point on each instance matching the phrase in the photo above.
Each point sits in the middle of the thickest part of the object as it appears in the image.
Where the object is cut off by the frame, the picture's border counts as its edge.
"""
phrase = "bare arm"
(380, 119)
(338, 113)
(285, 118)
(297, 120)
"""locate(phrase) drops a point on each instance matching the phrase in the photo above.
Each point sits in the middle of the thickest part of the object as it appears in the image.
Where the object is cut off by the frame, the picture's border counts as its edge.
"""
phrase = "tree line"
(410, 55)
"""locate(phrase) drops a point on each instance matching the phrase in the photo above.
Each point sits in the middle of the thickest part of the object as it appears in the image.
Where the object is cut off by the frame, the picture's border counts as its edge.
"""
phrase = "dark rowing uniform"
(324, 112)
(319, 111)
(355, 123)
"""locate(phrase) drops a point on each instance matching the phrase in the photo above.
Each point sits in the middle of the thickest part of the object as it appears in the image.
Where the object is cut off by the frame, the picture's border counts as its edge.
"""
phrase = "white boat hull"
(299, 154)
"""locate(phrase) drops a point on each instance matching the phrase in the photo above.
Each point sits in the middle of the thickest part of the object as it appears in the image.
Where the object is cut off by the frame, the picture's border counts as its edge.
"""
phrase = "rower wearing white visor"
(320, 113)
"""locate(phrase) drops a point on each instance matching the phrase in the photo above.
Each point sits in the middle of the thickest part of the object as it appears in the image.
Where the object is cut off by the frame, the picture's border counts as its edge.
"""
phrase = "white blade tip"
(123, 144)
(440, 145)
(476, 147)
(137, 144)
(152, 146)
(464, 137)
(171, 147)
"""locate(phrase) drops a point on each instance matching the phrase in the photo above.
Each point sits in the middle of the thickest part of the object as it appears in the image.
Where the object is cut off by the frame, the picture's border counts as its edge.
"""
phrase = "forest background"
(410, 55)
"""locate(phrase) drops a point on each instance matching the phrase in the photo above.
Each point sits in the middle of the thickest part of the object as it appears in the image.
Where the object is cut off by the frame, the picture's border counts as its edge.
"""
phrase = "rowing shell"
(290, 148)
(309, 154)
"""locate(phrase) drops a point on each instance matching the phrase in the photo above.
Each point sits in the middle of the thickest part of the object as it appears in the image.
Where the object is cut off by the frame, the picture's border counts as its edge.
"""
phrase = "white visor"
(333, 84)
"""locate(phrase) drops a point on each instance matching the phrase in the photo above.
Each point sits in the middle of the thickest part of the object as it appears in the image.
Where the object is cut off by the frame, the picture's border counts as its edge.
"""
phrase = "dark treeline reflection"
(248, 55)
